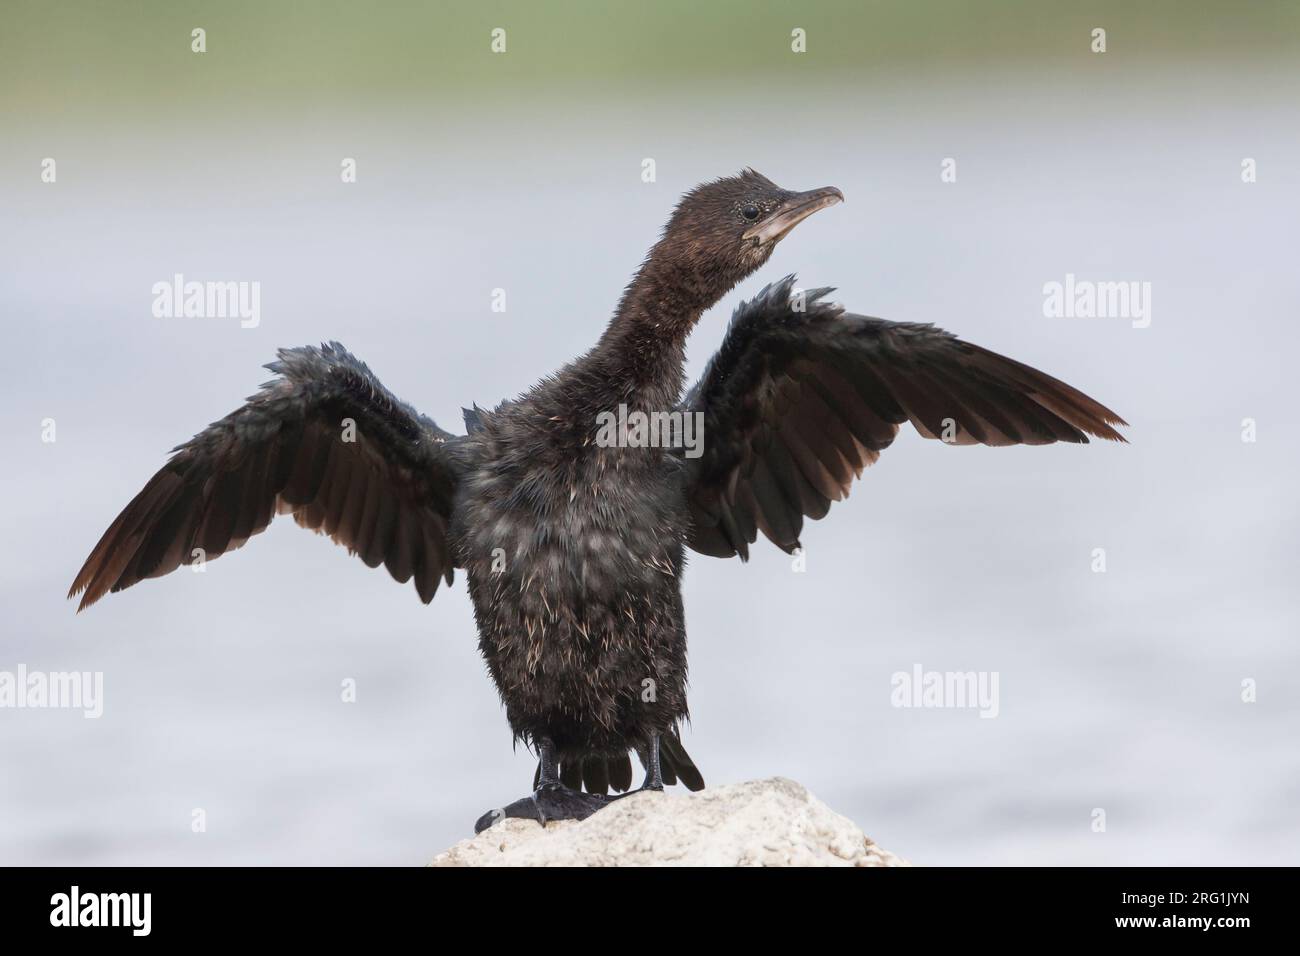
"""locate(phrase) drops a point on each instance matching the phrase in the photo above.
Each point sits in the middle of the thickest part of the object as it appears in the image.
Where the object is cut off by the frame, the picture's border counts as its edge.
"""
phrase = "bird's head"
(723, 230)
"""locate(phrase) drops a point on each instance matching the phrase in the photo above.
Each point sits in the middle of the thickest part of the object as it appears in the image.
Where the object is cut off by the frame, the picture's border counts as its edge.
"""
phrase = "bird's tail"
(675, 764)
(600, 774)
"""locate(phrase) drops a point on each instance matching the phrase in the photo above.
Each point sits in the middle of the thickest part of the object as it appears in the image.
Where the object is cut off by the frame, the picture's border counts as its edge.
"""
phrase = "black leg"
(653, 776)
(548, 765)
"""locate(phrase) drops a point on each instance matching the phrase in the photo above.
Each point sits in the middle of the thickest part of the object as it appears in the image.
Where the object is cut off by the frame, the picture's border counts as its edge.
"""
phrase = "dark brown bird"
(570, 508)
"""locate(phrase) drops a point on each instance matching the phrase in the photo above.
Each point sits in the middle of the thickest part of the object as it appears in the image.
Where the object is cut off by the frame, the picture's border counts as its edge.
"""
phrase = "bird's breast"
(588, 524)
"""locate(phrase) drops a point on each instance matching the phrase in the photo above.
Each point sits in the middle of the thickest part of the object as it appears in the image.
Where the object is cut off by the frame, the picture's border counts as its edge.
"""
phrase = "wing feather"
(324, 441)
(803, 396)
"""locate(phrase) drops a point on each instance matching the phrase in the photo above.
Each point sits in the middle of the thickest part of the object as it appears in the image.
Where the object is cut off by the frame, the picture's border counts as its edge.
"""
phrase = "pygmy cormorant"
(573, 545)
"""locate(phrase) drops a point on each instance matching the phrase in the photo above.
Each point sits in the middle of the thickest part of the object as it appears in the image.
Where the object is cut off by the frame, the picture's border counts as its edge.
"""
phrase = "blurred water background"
(1118, 690)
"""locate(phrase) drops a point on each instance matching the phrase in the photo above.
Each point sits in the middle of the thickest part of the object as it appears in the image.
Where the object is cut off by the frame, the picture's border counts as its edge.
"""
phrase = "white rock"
(772, 822)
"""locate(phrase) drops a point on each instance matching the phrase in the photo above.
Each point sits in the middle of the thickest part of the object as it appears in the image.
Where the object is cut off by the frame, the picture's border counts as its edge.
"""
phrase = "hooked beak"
(790, 213)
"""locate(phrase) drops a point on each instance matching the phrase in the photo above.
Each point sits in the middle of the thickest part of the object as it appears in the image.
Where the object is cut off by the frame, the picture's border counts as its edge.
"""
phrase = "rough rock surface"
(773, 822)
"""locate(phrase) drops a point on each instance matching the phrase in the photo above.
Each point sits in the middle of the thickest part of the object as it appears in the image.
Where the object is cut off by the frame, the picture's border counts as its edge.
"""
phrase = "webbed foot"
(550, 801)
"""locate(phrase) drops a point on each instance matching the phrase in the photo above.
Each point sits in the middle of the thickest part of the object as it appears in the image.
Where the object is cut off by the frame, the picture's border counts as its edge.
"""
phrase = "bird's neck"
(642, 354)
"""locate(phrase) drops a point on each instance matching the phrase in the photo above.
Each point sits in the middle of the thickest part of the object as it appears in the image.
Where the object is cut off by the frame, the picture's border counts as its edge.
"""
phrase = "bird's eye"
(750, 212)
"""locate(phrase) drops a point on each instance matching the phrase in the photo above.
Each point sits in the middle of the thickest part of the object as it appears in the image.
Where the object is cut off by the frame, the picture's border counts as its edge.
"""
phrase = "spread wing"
(803, 395)
(324, 441)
